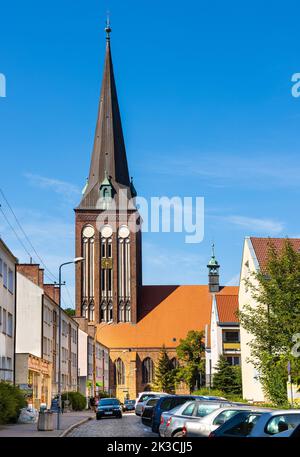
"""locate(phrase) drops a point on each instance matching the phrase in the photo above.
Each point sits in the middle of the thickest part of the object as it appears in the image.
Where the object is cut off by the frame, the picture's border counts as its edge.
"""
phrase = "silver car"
(259, 424)
(207, 424)
(172, 422)
(139, 406)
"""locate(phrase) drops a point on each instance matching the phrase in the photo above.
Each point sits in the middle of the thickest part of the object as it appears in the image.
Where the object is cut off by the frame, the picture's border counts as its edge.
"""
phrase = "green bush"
(103, 394)
(220, 393)
(77, 400)
(11, 401)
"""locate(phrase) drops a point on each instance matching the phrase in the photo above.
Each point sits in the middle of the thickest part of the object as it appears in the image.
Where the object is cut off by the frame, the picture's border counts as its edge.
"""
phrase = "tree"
(227, 377)
(70, 311)
(164, 373)
(275, 319)
(190, 352)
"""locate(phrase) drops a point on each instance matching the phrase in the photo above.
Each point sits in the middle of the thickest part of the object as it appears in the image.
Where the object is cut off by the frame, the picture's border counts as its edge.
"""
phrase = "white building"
(222, 334)
(37, 338)
(7, 312)
(254, 258)
(93, 361)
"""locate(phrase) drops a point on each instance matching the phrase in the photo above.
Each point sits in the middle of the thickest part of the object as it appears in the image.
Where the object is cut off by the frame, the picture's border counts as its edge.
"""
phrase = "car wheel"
(98, 417)
(120, 416)
(178, 434)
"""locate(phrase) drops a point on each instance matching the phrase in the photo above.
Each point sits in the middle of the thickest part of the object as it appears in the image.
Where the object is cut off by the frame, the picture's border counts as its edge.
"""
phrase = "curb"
(77, 424)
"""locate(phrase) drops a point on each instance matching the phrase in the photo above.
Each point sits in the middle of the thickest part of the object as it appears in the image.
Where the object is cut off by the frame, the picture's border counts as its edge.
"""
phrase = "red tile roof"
(261, 246)
(227, 306)
(168, 313)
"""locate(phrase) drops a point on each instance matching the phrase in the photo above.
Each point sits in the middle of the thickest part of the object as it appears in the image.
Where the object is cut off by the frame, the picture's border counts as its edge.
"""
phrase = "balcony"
(231, 347)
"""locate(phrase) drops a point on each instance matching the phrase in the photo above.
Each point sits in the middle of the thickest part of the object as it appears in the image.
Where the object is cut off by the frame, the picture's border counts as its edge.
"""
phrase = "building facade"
(254, 259)
(132, 320)
(37, 338)
(222, 334)
(7, 312)
(93, 364)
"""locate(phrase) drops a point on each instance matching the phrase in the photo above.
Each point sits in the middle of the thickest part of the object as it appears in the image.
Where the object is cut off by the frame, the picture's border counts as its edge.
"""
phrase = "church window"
(174, 362)
(147, 370)
(121, 312)
(92, 312)
(106, 273)
(84, 310)
(110, 312)
(127, 312)
(124, 270)
(103, 312)
(119, 372)
(88, 244)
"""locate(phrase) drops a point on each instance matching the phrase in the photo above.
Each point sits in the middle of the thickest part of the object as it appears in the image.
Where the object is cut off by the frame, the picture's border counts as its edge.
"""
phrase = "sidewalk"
(30, 430)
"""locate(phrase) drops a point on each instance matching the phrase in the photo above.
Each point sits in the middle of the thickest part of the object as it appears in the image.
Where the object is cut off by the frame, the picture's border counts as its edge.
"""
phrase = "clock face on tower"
(124, 231)
(106, 231)
(88, 231)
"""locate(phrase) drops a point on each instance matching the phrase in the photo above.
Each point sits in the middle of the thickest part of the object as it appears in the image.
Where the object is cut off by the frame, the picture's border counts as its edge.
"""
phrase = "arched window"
(174, 362)
(92, 312)
(119, 372)
(88, 242)
(147, 370)
(106, 274)
(124, 268)
(84, 310)
(103, 312)
(127, 312)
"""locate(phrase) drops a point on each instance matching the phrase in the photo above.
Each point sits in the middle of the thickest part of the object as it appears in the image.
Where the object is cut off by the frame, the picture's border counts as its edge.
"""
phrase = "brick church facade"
(132, 320)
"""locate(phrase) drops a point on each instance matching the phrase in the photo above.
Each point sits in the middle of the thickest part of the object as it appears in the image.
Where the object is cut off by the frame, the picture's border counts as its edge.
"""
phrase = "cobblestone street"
(130, 425)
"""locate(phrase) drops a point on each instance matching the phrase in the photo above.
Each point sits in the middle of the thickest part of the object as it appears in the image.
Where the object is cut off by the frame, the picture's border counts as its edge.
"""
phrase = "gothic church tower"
(107, 221)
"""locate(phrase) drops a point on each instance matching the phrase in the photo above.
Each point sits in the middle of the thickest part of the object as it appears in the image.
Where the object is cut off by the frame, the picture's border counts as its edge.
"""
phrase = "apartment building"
(37, 338)
(93, 361)
(7, 312)
(222, 334)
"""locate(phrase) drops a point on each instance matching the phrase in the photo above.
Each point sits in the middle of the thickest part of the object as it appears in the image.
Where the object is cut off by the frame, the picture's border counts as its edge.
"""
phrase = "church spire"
(109, 154)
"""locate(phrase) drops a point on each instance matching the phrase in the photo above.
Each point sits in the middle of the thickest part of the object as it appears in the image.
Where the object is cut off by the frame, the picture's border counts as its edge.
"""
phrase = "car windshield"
(109, 401)
(203, 410)
(145, 397)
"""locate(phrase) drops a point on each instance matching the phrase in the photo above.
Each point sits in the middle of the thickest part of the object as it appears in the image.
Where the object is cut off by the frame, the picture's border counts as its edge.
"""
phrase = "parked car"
(207, 424)
(259, 424)
(108, 407)
(128, 405)
(167, 403)
(142, 398)
(172, 422)
(148, 409)
(290, 433)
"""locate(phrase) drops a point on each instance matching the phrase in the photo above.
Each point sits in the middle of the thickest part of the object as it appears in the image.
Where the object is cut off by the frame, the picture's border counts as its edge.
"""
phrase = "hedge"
(11, 401)
(77, 400)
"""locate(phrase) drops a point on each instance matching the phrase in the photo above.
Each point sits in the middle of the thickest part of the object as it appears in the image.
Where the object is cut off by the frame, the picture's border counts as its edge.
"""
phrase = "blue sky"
(205, 94)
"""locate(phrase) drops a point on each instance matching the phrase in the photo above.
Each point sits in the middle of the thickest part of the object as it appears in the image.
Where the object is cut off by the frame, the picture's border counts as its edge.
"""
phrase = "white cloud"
(268, 226)
(234, 281)
(68, 190)
(169, 266)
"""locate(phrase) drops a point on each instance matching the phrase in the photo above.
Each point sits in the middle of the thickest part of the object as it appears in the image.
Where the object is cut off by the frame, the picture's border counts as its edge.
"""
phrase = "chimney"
(52, 290)
(31, 271)
(41, 277)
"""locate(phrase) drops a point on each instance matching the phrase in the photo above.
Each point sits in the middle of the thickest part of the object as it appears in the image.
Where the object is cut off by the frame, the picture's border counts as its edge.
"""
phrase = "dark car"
(148, 410)
(129, 405)
(109, 407)
(166, 404)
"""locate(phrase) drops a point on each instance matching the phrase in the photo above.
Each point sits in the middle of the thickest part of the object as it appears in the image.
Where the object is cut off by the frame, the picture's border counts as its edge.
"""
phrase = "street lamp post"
(76, 260)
